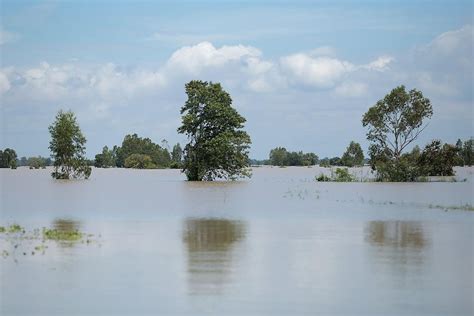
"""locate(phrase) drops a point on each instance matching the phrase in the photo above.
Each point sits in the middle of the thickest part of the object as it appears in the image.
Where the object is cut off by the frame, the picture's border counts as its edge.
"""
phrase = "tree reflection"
(209, 244)
(66, 225)
(398, 234)
(397, 244)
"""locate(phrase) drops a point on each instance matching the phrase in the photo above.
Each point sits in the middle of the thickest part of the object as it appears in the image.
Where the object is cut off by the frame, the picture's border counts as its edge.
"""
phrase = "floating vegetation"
(15, 228)
(465, 207)
(62, 235)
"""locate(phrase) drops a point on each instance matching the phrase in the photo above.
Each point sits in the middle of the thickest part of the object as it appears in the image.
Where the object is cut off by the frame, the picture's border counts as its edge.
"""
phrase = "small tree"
(437, 159)
(105, 159)
(218, 147)
(279, 156)
(468, 152)
(67, 147)
(354, 156)
(395, 122)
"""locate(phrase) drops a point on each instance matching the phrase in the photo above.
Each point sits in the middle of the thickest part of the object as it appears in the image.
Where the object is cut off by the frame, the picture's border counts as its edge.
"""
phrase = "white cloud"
(193, 59)
(4, 83)
(320, 72)
(380, 64)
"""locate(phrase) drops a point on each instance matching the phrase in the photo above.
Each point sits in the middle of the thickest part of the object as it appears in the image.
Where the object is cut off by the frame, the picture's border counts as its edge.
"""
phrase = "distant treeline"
(139, 153)
(438, 153)
(142, 153)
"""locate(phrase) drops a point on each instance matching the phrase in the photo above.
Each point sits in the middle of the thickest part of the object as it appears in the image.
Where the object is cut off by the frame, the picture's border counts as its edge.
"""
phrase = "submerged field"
(146, 241)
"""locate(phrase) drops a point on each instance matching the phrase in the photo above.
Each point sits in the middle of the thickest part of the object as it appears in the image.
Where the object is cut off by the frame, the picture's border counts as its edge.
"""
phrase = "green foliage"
(394, 122)
(36, 162)
(353, 156)
(343, 175)
(15, 228)
(176, 157)
(340, 175)
(133, 144)
(139, 161)
(8, 158)
(62, 235)
(107, 158)
(67, 147)
(323, 178)
(437, 159)
(218, 147)
(467, 152)
(279, 156)
(324, 162)
(2, 229)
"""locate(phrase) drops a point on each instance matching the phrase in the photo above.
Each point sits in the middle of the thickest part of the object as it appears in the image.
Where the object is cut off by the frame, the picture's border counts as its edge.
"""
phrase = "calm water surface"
(279, 244)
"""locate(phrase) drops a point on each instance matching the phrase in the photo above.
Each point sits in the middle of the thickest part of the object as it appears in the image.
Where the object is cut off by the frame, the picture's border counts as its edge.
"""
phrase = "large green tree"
(218, 147)
(393, 123)
(354, 156)
(8, 158)
(67, 147)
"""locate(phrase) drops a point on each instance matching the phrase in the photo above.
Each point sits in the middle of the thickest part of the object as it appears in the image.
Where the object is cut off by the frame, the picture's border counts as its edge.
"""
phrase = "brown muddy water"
(278, 244)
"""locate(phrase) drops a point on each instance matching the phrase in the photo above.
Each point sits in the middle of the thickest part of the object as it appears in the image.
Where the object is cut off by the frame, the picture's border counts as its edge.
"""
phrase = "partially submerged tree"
(8, 158)
(139, 161)
(176, 156)
(67, 147)
(133, 144)
(105, 159)
(218, 147)
(437, 159)
(395, 122)
(354, 156)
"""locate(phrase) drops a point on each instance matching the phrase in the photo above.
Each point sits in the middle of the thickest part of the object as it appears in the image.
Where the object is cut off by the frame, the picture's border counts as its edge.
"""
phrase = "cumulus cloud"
(4, 83)
(380, 64)
(325, 72)
(192, 59)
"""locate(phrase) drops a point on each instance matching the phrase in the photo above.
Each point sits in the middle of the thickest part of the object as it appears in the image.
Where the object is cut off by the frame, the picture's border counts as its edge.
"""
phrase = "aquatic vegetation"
(465, 207)
(340, 175)
(15, 228)
(63, 235)
(323, 178)
(2, 229)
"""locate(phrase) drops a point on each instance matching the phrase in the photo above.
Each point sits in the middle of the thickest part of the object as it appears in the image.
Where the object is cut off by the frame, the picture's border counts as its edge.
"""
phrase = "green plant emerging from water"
(15, 228)
(56, 234)
(340, 175)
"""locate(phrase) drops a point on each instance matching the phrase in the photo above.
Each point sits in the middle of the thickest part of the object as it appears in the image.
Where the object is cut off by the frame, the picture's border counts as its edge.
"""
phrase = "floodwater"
(278, 244)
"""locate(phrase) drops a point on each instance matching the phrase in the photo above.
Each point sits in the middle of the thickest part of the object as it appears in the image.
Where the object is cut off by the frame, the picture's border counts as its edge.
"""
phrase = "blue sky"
(301, 72)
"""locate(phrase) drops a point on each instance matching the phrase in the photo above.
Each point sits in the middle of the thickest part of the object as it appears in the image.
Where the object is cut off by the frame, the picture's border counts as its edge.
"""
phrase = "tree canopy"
(279, 156)
(67, 147)
(393, 123)
(218, 146)
(133, 144)
(8, 158)
(354, 156)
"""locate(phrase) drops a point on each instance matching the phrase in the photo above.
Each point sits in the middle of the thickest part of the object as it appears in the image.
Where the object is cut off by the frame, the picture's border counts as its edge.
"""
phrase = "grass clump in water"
(62, 235)
(15, 228)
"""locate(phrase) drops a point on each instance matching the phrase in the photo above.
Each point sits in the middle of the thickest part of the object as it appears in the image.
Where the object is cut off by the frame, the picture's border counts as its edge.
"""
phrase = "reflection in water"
(209, 244)
(397, 244)
(397, 234)
(66, 225)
